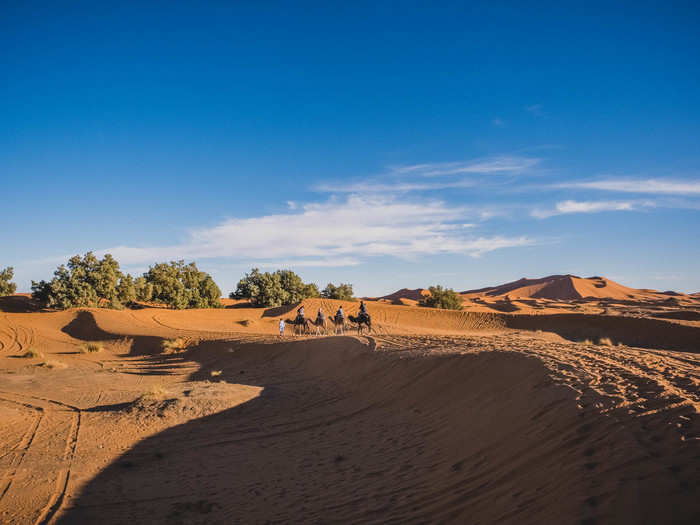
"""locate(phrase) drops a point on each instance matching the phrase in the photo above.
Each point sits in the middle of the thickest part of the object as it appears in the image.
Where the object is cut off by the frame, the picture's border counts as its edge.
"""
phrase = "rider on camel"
(320, 315)
(339, 314)
(363, 309)
(300, 314)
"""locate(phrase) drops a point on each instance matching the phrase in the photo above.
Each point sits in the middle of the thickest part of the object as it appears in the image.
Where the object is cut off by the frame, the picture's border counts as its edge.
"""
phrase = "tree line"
(92, 282)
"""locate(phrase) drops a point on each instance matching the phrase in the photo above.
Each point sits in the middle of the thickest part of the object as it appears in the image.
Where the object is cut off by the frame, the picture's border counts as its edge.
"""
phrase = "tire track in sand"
(58, 495)
(23, 445)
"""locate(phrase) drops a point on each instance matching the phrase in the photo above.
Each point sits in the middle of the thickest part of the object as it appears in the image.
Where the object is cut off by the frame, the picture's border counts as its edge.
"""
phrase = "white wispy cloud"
(404, 179)
(503, 164)
(332, 233)
(535, 109)
(626, 185)
(397, 187)
(570, 206)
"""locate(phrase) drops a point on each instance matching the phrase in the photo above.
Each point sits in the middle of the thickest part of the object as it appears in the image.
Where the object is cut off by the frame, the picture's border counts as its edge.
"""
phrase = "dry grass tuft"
(155, 392)
(173, 346)
(32, 353)
(215, 373)
(91, 348)
(587, 342)
(54, 365)
(605, 341)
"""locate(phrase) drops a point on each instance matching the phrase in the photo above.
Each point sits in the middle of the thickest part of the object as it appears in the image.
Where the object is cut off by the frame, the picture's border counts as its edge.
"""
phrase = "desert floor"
(550, 416)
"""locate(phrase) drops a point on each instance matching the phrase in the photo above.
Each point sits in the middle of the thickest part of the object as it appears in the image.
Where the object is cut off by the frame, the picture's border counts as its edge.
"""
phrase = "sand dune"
(566, 287)
(406, 294)
(436, 416)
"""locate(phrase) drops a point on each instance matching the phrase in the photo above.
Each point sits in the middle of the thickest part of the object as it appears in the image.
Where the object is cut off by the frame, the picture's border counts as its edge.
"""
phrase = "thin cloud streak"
(570, 206)
(651, 186)
(505, 164)
(399, 187)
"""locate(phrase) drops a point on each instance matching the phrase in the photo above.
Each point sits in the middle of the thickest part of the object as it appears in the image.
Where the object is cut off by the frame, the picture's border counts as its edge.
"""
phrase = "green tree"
(343, 291)
(84, 281)
(180, 286)
(445, 298)
(126, 290)
(6, 286)
(273, 289)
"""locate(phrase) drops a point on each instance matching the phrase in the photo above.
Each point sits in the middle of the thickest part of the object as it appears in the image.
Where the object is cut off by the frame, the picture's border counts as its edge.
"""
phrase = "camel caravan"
(335, 325)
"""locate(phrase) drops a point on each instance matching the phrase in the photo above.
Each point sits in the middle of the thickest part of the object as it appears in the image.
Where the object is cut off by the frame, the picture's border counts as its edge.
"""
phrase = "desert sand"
(531, 408)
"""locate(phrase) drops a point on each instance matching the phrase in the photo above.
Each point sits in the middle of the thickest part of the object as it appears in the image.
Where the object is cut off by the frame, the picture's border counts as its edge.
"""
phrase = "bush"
(273, 289)
(173, 346)
(32, 353)
(91, 348)
(445, 298)
(86, 281)
(343, 291)
(7, 287)
(178, 285)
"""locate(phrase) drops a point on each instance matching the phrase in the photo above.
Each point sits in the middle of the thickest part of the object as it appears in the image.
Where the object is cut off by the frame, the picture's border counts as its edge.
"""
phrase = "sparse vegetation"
(216, 373)
(53, 365)
(178, 285)
(6, 286)
(32, 353)
(91, 348)
(343, 292)
(154, 392)
(444, 298)
(172, 346)
(273, 289)
(605, 341)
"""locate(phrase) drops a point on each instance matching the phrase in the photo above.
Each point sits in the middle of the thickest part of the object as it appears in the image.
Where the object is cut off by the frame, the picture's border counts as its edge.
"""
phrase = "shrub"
(32, 353)
(178, 285)
(85, 281)
(343, 291)
(445, 298)
(273, 289)
(171, 346)
(91, 348)
(6, 286)
(154, 392)
(53, 364)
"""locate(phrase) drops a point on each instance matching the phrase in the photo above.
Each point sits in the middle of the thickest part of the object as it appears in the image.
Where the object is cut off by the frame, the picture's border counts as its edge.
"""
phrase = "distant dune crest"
(554, 287)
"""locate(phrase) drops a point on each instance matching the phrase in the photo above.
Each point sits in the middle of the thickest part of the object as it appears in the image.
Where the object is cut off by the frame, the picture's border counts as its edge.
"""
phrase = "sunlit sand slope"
(435, 416)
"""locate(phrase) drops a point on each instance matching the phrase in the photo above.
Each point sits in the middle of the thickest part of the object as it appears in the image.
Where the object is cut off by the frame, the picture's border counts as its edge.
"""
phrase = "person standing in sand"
(281, 327)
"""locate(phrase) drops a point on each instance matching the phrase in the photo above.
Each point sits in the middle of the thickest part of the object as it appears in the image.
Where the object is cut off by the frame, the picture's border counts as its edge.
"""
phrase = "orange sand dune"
(565, 287)
(435, 416)
(406, 293)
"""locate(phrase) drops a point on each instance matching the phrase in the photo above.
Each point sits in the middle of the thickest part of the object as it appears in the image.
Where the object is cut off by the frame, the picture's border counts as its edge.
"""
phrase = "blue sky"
(455, 144)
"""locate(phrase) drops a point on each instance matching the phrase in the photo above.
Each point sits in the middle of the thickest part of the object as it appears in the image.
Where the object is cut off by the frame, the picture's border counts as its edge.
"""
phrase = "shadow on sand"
(343, 434)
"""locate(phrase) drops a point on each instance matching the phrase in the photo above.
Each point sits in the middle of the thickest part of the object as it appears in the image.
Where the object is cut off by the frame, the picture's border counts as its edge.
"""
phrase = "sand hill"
(406, 294)
(456, 417)
(565, 287)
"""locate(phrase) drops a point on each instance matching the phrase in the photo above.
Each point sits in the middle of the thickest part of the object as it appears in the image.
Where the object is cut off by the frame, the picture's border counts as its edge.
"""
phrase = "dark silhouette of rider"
(363, 309)
(300, 313)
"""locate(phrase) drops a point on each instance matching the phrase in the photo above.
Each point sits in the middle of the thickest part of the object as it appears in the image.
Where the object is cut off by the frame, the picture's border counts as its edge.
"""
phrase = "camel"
(362, 320)
(321, 324)
(339, 324)
(301, 325)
